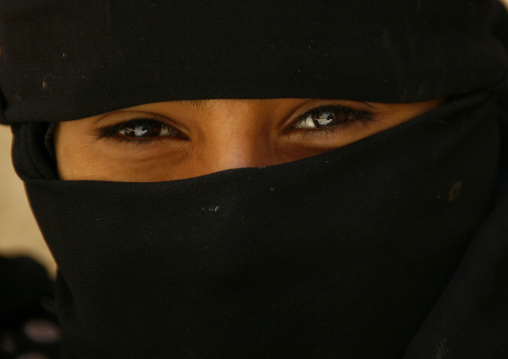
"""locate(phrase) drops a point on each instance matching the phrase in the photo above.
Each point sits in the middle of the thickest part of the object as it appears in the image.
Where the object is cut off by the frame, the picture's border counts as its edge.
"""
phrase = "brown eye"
(329, 116)
(144, 129)
(141, 129)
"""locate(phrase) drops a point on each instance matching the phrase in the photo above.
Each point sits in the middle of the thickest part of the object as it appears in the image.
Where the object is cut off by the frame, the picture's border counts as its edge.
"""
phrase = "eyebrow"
(201, 105)
(195, 104)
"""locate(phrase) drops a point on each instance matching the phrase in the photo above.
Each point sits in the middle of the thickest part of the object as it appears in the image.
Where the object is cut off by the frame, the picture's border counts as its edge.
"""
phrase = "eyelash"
(112, 132)
(350, 117)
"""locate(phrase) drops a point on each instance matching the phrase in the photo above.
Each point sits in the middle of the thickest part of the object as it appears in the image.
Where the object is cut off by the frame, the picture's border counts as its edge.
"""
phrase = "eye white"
(165, 131)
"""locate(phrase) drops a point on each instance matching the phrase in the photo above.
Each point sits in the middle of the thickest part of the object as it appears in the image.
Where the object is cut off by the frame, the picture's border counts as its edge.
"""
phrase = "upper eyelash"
(111, 132)
(357, 116)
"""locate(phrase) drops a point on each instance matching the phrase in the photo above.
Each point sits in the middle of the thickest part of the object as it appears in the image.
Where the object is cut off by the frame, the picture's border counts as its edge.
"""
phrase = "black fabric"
(282, 261)
(27, 319)
(470, 319)
(392, 247)
(59, 56)
(27, 284)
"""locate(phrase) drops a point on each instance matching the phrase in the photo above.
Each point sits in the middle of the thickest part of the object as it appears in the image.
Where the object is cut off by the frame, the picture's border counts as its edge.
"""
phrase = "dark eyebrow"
(367, 103)
(195, 104)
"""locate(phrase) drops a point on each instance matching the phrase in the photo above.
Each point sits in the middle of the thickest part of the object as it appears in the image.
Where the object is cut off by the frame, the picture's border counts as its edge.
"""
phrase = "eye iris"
(330, 118)
(141, 130)
(324, 119)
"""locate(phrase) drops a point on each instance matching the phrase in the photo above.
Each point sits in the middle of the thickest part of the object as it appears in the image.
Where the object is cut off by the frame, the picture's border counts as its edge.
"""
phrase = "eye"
(328, 117)
(141, 130)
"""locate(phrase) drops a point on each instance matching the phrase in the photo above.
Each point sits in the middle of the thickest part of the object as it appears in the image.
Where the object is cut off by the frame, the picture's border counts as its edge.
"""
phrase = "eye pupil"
(324, 119)
(141, 130)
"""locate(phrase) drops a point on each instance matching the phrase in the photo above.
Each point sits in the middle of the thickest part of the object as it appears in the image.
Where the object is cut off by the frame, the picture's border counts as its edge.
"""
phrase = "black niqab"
(392, 247)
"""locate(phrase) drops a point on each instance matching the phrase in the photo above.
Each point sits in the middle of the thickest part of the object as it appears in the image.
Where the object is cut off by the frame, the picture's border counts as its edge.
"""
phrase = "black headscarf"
(392, 247)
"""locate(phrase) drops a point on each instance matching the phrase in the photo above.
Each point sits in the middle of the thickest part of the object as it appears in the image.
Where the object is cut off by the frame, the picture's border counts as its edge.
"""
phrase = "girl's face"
(181, 139)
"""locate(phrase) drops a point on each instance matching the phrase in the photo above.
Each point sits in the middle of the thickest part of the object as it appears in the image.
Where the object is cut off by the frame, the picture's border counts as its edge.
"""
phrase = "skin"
(213, 135)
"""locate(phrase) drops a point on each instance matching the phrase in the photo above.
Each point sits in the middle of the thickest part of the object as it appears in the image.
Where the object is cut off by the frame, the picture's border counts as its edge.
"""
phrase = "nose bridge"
(237, 149)
(236, 138)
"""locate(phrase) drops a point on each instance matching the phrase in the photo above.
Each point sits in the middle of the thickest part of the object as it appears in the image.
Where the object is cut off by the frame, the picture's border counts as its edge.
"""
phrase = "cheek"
(79, 158)
(89, 163)
(76, 165)
(65, 153)
(74, 160)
